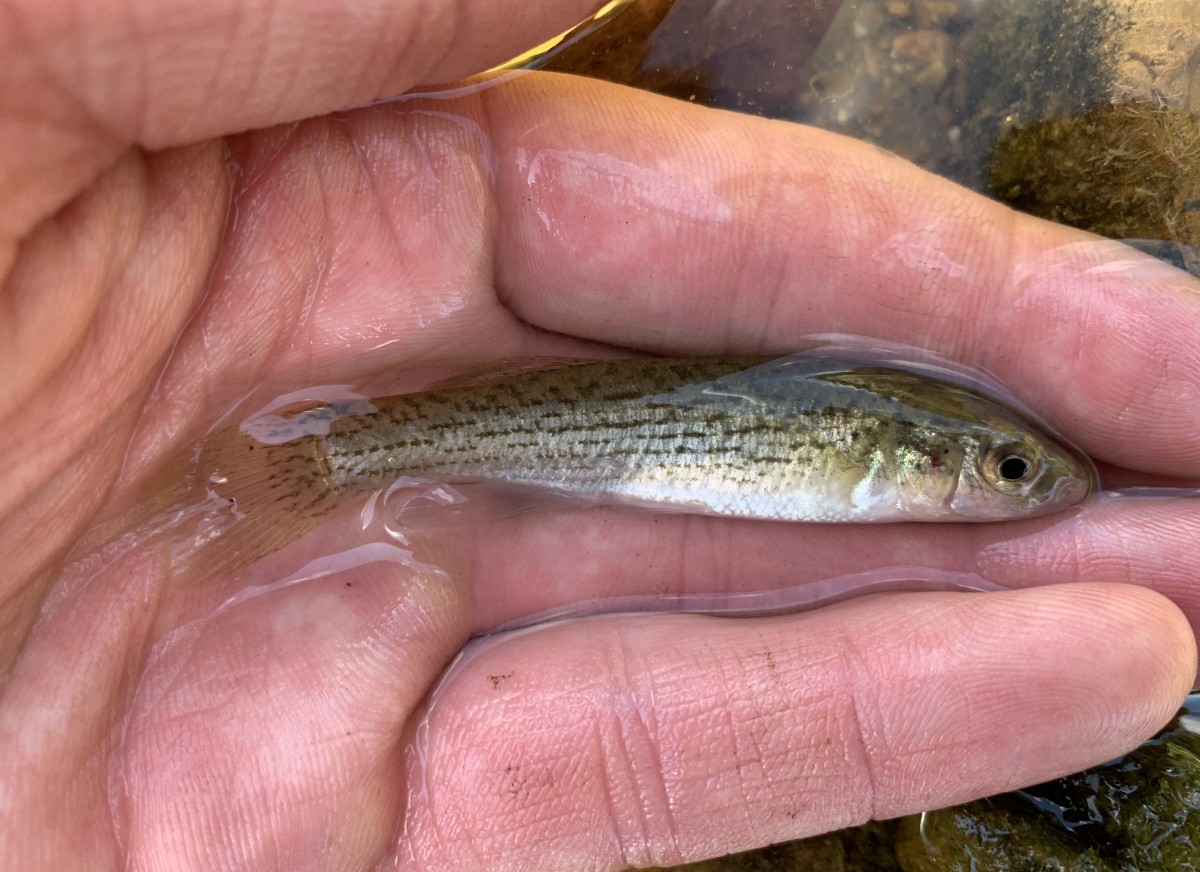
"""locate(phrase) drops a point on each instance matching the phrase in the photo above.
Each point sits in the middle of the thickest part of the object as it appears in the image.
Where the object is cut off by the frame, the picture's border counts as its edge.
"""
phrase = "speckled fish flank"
(795, 439)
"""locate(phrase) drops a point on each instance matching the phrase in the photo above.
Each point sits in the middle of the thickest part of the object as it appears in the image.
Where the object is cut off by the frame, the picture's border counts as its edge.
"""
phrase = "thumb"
(80, 82)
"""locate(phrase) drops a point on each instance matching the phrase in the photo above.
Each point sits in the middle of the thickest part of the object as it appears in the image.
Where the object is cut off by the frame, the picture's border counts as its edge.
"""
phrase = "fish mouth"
(1071, 487)
(1078, 479)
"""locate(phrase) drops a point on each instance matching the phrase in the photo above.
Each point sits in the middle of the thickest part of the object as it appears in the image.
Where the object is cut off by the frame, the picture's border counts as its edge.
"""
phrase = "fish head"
(961, 451)
(1014, 469)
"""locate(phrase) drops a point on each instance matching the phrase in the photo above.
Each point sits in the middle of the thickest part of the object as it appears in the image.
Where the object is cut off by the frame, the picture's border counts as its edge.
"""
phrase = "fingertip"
(1086, 673)
(1149, 645)
(960, 696)
(1138, 642)
(1118, 328)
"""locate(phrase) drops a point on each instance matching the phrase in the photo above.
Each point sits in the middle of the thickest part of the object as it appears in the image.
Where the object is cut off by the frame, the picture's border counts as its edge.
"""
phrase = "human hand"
(145, 726)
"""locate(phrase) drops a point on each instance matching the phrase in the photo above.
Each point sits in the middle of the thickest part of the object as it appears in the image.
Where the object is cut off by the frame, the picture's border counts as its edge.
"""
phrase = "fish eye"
(1009, 465)
(1014, 468)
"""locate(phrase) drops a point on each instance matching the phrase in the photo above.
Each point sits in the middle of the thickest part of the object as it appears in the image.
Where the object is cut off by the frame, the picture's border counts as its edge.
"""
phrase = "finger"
(629, 560)
(1150, 541)
(285, 709)
(655, 223)
(576, 562)
(61, 704)
(581, 561)
(616, 742)
(83, 81)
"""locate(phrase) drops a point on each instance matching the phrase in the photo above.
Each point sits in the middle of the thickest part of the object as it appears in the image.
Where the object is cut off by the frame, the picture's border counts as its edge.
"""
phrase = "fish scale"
(728, 436)
(800, 438)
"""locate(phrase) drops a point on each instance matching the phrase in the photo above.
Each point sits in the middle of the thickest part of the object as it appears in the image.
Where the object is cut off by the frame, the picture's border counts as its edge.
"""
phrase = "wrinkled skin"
(143, 728)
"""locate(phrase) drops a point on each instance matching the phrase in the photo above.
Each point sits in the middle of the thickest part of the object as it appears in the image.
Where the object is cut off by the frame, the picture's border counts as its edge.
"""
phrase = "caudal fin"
(223, 504)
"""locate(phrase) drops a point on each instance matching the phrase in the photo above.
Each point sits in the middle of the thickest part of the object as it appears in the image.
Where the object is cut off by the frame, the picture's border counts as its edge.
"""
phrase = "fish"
(801, 438)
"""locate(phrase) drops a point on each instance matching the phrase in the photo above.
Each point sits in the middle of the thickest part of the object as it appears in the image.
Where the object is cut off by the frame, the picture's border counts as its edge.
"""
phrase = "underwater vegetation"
(1124, 170)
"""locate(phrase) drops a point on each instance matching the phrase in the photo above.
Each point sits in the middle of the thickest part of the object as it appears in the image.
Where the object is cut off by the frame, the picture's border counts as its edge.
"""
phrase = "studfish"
(792, 439)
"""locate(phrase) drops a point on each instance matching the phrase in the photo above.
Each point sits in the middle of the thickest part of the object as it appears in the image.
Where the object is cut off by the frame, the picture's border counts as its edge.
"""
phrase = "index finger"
(649, 222)
(83, 81)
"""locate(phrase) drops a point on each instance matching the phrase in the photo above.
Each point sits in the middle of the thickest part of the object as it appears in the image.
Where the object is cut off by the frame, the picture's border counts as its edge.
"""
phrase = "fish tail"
(227, 502)
(273, 493)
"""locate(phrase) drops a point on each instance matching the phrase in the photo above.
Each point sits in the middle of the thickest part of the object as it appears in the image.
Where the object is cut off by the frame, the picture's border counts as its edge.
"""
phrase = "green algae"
(1127, 171)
